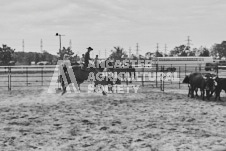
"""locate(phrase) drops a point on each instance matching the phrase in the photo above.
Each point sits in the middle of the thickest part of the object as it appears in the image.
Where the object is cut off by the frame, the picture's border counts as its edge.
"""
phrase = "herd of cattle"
(207, 83)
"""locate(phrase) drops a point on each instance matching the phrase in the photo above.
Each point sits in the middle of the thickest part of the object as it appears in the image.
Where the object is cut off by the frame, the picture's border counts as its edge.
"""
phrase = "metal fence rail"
(156, 76)
(23, 76)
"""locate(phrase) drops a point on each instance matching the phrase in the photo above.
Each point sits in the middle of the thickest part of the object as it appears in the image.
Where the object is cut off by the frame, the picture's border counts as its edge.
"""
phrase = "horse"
(82, 75)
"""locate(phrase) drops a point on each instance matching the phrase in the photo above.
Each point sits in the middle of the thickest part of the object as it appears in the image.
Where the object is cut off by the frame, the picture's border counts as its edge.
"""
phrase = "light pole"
(57, 34)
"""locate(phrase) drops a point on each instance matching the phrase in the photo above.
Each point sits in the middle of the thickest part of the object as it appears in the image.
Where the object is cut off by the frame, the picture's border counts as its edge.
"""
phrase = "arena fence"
(25, 76)
(157, 76)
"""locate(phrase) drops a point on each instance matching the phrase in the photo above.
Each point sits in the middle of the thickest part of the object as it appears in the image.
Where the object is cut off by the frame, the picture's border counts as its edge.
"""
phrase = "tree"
(36, 58)
(117, 53)
(65, 51)
(181, 50)
(158, 54)
(219, 50)
(177, 51)
(6, 54)
(29, 57)
(205, 52)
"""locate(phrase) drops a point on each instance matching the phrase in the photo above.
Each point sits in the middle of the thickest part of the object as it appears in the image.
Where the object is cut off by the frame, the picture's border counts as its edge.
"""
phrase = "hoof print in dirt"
(104, 128)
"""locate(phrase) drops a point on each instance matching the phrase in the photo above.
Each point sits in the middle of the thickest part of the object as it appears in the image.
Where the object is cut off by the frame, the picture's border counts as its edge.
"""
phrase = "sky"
(105, 24)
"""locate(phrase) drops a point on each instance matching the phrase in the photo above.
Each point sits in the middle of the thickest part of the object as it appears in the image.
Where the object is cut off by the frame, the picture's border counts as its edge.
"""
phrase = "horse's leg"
(208, 94)
(203, 94)
(189, 91)
(192, 91)
(217, 93)
(110, 88)
(95, 86)
(63, 87)
(130, 75)
(103, 91)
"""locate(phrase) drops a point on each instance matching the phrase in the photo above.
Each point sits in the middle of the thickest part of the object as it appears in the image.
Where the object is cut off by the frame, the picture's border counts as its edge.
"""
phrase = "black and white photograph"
(113, 75)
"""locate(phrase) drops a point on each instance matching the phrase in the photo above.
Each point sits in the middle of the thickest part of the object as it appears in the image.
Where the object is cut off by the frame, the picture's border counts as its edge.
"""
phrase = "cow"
(221, 85)
(186, 80)
(203, 82)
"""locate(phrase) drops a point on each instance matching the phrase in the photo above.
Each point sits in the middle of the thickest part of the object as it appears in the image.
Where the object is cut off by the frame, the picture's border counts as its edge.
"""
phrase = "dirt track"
(32, 119)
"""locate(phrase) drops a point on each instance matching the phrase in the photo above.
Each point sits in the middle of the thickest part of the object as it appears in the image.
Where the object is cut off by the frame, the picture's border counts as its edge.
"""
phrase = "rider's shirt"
(87, 57)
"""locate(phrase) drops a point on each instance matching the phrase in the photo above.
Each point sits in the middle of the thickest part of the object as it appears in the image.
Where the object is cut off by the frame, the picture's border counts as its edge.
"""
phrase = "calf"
(221, 85)
(186, 80)
(204, 82)
(210, 85)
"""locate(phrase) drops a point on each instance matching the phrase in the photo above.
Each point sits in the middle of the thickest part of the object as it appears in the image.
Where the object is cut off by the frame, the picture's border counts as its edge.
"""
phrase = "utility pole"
(157, 50)
(105, 54)
(57, 34)
(70, 44)
(137, 50)
(23, 45)
(188, 42)
(165, 50)
(129, 52)
(41, 46)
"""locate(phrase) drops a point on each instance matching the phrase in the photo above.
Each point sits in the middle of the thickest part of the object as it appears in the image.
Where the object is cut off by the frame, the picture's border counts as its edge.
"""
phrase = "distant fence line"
(25, 76)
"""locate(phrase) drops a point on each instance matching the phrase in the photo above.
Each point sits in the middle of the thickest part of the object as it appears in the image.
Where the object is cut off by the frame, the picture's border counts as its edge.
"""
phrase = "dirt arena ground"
(150, 120)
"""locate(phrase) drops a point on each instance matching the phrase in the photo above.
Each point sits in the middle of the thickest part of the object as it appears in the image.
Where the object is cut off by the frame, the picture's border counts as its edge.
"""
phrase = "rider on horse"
(87, 57)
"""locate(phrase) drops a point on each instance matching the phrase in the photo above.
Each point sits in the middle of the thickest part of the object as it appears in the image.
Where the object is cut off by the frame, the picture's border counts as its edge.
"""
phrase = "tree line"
(8, 56)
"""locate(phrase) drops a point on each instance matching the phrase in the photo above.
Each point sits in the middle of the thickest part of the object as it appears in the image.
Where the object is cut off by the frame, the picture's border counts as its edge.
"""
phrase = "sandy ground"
(32, 119)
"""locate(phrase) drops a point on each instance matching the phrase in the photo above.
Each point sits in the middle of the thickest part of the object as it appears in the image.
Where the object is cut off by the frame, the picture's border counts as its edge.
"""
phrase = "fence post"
(127, 76)
(185, 69)
(142, 75)
(27, 75)
(163, 83)
(171, 74)
(9, 78)
(156, 76)
(179, 77)
(42, 75)
(161, 78)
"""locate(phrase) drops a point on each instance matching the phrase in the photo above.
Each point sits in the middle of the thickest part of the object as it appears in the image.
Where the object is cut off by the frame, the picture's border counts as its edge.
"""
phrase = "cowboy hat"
(89, 48)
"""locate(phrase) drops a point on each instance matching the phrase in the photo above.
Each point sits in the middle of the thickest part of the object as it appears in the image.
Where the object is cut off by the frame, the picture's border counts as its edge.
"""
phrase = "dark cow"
(186, 80)
(203, 82)
(221, 85)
